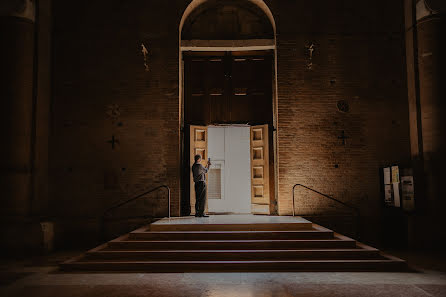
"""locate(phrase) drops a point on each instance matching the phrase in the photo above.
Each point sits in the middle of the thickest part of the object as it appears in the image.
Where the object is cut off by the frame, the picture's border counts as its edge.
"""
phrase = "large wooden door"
(228, 88)
(198, 146)
(260, 200)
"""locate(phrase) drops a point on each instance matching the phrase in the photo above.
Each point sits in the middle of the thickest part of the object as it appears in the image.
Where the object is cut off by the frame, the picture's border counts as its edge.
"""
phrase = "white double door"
(229, 179)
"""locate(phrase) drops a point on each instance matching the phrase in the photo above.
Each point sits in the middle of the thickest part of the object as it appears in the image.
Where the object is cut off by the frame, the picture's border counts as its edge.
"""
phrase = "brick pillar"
(426, 56)
(432, 81)
(16, 93)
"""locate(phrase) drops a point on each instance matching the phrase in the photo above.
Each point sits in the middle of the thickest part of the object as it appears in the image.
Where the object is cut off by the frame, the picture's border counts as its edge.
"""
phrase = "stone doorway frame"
(229, 46)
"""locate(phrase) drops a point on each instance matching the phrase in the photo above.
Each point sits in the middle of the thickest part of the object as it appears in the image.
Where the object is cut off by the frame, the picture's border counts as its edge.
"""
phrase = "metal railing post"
(293, 200)
(139, 196)
(168, 199)
(355, 209)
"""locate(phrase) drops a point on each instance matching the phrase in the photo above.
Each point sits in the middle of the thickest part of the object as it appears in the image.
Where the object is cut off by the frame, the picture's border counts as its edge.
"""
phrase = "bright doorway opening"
(229, 178)
(239, 180)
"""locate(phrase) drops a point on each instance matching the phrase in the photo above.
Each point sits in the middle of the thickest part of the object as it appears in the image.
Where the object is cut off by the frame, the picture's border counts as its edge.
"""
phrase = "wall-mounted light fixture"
(310, 49)
(145, 53)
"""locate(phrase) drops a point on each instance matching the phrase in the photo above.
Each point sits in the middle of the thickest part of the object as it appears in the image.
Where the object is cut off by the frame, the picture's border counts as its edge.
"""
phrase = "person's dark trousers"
(200, 198)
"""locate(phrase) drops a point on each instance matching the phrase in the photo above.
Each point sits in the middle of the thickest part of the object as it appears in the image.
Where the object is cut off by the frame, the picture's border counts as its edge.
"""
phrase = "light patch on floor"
(43, 279)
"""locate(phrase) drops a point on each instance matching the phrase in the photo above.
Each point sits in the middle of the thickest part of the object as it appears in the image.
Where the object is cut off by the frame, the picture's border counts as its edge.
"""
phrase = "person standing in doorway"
(199, 174)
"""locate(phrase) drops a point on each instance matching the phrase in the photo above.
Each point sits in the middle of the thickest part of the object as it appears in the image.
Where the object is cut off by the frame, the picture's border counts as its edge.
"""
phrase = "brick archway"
(231, 46)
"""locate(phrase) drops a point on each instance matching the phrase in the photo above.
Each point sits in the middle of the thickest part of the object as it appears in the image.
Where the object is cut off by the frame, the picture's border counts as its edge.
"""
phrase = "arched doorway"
(228, 87)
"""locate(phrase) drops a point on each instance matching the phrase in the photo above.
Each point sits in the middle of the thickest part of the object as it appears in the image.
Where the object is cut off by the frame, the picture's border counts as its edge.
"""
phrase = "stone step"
(231, 244)
(219, 266)
(234, 243)
(231, 223)
(232, 255)
(231, 227)
(230, 235)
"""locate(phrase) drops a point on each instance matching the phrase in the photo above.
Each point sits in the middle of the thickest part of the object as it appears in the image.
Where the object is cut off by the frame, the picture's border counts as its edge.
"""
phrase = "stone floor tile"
(350, 290)
(434, 290)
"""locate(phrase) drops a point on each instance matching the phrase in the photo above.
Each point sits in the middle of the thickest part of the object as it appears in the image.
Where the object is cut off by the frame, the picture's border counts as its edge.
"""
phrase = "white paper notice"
(407, 190)
(388, 195)
(395, 174)
(387, 176)
(396, 195)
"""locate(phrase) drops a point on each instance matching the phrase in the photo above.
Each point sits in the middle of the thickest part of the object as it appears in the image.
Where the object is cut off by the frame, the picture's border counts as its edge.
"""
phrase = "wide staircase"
(234, 243)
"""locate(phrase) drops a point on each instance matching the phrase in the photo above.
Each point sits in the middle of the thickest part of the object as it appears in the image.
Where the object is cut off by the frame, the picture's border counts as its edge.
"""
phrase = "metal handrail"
(139, 196)
(326, 196)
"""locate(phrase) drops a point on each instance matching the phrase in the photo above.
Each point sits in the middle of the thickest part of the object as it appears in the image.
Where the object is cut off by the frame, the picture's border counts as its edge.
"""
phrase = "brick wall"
(359, 58)
(98, 66)
(99, 71)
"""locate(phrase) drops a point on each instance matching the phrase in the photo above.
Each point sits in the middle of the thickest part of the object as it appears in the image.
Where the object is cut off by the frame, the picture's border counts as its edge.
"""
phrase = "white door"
(229, 179)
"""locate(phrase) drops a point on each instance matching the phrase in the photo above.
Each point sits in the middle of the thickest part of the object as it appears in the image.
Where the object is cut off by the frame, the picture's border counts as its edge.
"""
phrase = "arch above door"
(196, 3)
(261, 14)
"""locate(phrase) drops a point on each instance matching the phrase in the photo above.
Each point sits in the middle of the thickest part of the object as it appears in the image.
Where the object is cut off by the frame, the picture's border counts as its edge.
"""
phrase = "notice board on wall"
(391, 180)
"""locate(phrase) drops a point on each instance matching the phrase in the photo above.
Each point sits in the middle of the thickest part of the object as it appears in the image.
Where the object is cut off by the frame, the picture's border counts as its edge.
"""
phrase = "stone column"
(426, 56)
(16, 112)
(432, 81)
(17, 131)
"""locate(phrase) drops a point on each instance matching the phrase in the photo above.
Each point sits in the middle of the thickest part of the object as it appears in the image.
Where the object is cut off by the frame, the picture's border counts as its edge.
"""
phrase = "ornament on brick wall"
(145, 53)
(343, 137)
(25, 9)
(113, 141)
(343, 106)
(311, 49)
(113, 111)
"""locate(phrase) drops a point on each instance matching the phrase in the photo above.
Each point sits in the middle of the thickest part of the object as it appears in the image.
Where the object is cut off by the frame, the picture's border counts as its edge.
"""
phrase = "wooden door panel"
(196, 103)
(262, 107)
(205, 89)
(196, 75)
(260, 209)
(241, 78)
(260, 199)
(217, 90)
(215, 75)
(242, 72)
(249, 79)
(219, 109)
(198, 146)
